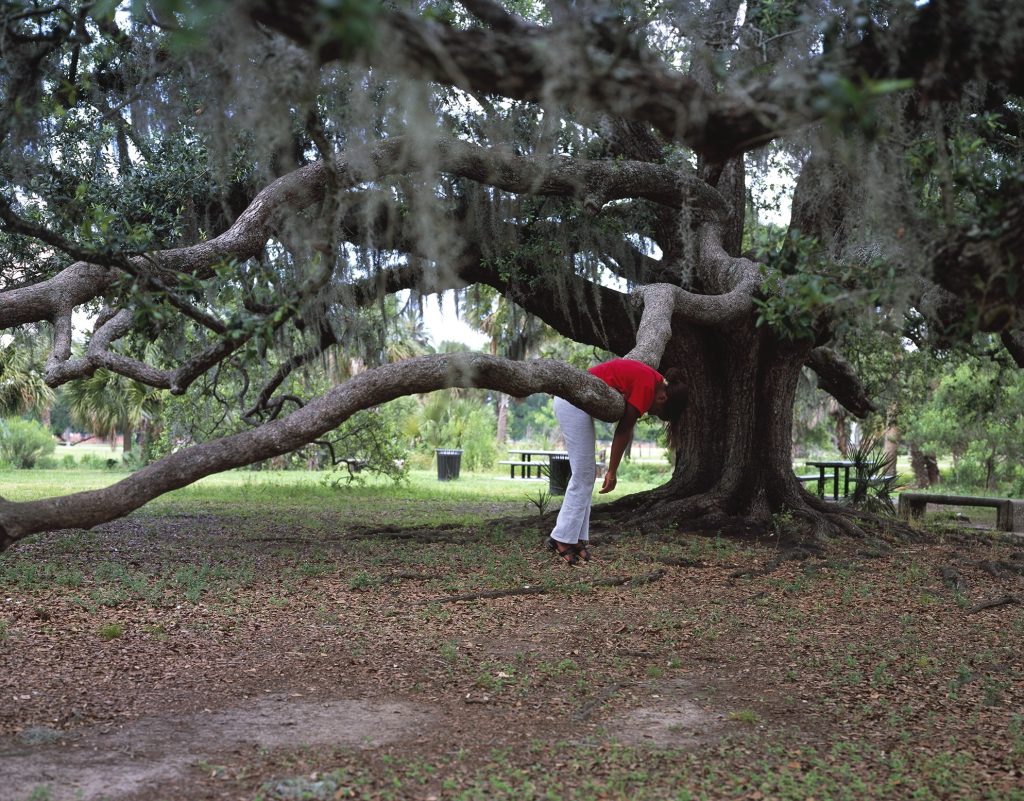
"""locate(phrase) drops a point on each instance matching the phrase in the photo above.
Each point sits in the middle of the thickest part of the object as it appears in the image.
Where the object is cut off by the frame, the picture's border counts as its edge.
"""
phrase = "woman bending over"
(645, 391)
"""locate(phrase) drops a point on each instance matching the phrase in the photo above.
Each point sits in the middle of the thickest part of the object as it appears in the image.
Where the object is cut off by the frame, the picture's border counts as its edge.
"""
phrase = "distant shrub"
(24, 442)
(644, 471)
(91, 461)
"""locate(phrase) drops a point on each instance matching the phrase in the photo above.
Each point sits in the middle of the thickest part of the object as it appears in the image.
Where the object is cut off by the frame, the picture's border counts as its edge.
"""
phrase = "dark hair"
(678, 393)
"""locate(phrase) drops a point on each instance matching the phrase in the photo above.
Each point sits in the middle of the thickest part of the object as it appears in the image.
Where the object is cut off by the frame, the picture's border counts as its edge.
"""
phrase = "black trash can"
(559, 473)
(448, 463)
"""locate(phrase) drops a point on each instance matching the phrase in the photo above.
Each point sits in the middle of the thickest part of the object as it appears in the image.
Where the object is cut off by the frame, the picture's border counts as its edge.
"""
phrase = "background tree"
(107, 404)
(23, 386)
(514, 334)
(231, 181)
(976, 413)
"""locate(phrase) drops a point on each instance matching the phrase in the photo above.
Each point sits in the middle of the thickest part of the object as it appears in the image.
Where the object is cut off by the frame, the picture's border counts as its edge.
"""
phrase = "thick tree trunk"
(891, 441)
(925, 467)
(502, 436)
(842, 434)
(734, 441)
(127, 439)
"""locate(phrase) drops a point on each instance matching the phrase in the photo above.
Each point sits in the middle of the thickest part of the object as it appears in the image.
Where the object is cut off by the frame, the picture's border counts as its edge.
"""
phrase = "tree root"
(672, 561)
(817, 520)
(429, 535)
(789, 555)
(952, 579)
(617, 581)
(1000, 569)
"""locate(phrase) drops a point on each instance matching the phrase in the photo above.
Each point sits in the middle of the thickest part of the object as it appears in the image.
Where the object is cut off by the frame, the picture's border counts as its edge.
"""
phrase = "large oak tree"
(217, 186)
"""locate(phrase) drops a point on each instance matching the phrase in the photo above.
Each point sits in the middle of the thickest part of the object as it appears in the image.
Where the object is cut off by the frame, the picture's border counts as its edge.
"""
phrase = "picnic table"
(835, 466)
(524, 460)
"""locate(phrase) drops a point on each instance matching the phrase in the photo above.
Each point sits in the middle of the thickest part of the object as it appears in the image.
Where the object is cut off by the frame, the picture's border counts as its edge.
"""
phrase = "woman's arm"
(623, 433)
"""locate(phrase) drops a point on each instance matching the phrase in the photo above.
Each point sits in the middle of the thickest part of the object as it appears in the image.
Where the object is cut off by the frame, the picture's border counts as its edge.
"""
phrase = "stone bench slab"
(1009, 511)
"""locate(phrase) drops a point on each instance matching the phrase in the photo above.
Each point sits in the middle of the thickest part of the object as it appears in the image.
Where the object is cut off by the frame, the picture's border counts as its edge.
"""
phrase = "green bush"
(475, 434)
(373, 442)
(447, 421)
(24, 442)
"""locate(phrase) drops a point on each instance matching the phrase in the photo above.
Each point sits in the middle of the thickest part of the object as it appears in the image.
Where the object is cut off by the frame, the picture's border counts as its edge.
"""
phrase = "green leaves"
(848, 104)
(803, 287)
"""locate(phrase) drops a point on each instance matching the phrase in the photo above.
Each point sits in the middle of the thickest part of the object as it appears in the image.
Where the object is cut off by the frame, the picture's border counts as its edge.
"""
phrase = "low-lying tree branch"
(370, 388)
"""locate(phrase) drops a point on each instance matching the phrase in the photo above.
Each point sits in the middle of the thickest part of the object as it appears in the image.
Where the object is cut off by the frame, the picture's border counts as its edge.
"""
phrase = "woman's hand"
(623, 433)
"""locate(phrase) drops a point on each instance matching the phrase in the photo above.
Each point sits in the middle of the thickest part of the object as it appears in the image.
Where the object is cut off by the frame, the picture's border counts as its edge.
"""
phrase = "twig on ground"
(1002, 600)
(618, 581)
(675, 561)
(393, 577)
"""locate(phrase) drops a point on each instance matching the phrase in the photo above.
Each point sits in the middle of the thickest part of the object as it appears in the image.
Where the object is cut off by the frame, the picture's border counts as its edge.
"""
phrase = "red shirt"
(633, 379)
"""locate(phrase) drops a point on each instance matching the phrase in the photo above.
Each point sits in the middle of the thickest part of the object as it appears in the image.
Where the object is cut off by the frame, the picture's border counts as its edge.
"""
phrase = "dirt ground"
(211, 656)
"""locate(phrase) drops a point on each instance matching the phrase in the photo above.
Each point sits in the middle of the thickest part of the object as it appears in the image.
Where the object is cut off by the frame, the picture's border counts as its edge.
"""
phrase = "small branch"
(1002, 600)
(619, 581)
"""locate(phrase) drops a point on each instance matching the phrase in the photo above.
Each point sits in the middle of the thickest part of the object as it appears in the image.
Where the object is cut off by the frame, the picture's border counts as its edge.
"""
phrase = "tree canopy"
(229, 192)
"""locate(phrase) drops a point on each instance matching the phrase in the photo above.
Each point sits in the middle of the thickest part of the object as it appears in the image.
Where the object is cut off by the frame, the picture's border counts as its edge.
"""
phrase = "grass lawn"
(84, 449)
(260, 635)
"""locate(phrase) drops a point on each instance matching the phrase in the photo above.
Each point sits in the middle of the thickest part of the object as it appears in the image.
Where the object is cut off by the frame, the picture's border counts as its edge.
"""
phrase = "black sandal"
(583, 550)
(570, 555)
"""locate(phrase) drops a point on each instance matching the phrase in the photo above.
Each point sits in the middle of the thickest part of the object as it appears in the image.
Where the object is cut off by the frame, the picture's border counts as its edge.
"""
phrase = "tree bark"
(891, 441)
(842, 434)
(369, 388)
(502, 434)
(925, 467)
(733, 444)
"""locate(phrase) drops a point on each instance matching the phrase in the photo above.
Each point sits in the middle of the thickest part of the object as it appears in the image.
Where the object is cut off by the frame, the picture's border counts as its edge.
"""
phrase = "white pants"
(577, 426)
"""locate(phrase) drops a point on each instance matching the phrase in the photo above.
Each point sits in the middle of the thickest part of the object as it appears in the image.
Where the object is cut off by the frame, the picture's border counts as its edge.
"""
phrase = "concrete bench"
(525, 468)
(1009, 512)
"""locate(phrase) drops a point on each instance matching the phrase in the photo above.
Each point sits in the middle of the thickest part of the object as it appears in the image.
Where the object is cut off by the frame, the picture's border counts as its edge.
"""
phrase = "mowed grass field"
(187, 651)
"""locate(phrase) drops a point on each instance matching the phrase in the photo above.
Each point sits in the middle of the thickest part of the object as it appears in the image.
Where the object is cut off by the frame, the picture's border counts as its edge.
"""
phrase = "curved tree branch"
(373, 387)
(838, 379)
(594, 181)
(938, 45)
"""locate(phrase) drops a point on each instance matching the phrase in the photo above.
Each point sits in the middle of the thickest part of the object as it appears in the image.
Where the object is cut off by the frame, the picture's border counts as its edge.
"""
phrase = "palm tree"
(106, 403)
(22, 387)
(389, 333)
(514, 333)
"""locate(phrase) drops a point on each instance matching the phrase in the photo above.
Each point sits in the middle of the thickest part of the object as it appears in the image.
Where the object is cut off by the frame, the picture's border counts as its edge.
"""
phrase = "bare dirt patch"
(671, 717)
(97, 762)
